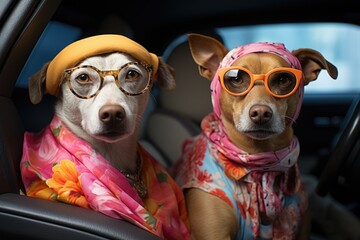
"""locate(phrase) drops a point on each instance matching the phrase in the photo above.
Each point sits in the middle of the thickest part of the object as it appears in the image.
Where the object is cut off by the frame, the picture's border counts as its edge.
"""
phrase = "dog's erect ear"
(207, 53)
(37, 85)
(312, 62)
(165, 75)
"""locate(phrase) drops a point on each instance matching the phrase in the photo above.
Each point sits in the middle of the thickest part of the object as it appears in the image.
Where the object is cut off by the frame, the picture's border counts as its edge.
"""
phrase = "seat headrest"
(192, 96)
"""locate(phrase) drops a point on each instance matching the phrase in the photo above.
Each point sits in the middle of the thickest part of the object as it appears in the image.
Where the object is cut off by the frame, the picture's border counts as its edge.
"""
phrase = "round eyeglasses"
(86, 81)
(279, 82)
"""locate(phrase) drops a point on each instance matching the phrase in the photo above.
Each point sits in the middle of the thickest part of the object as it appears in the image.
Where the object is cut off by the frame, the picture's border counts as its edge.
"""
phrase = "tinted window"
(339, 43)
(54, 38)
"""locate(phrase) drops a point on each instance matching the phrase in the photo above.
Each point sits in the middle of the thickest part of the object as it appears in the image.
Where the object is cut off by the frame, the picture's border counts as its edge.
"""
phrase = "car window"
(339, 43)
(54, 38)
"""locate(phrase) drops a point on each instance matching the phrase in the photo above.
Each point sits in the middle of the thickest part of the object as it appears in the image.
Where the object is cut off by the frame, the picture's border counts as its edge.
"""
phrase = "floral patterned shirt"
(248, 192)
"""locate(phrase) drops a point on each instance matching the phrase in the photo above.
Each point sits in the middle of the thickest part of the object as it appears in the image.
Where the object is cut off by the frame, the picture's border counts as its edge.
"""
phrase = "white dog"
(89, 154)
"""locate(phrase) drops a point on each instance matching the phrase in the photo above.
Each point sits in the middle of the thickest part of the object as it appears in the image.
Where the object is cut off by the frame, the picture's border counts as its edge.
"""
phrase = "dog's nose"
(111, 114)
(260, 114)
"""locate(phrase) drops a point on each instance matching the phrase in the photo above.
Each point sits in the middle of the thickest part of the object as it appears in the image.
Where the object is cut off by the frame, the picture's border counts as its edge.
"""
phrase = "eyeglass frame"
(264, 77)
(103, 74)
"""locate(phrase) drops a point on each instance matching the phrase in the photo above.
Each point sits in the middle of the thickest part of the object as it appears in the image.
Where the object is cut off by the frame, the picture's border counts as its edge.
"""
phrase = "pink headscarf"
(265, 47)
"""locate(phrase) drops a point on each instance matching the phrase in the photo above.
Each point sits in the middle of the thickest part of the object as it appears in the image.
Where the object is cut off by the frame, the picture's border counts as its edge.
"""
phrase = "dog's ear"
(312, 62)
(165, 75)
(37, 85)
(207, 53)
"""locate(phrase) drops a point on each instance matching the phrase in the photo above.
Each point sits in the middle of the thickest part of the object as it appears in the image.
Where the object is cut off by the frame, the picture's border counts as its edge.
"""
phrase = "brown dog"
(241, 176)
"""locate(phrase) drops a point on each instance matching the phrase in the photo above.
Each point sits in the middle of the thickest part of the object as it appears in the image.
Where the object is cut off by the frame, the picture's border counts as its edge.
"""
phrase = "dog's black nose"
(111, 114)
(260, 114)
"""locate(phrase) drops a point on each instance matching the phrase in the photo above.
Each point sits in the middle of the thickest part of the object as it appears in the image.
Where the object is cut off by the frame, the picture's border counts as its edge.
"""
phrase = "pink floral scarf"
(58, 166)
(259, 169)
(264, 190)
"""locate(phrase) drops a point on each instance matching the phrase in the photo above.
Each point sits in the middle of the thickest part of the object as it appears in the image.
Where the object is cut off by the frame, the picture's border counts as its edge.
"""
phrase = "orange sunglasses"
(279, 82)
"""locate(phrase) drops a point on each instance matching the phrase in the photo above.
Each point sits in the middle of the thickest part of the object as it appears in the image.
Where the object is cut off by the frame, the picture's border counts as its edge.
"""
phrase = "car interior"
(33, 31)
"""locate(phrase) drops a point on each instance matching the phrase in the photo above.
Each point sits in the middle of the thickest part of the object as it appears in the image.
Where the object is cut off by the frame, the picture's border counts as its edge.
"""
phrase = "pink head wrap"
(266, 47)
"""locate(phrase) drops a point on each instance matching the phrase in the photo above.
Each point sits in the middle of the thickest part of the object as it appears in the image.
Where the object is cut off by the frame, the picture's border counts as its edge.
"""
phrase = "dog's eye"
(282, 83)
(132, 75)
(236, 81)
(285, 80)
(83, 78)
(235, 77)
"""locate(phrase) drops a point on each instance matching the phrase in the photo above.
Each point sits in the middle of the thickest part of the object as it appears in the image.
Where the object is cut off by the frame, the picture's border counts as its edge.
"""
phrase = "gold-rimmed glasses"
(279, 82)
(86, 81)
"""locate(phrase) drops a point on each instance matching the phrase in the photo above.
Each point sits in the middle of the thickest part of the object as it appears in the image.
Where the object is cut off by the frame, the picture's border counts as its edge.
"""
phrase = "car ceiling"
(156, 23)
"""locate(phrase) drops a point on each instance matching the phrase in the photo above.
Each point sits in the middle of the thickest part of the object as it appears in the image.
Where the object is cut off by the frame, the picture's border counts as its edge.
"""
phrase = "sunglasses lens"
(282, 82)
(236, 81)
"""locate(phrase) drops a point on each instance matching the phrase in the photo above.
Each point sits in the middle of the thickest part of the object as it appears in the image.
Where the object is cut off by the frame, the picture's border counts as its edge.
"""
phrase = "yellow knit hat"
(76, 52)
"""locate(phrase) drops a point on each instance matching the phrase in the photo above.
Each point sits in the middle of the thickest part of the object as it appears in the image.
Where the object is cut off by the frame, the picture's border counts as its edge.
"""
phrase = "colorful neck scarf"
(264, 190)
(56, 165)
(259, 169)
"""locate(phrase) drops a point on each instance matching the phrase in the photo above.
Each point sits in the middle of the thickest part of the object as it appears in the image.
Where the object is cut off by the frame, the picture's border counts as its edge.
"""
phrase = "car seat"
(179, 112)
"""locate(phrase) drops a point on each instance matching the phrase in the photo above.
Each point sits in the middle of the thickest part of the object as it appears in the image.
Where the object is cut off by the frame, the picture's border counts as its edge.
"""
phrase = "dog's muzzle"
(113, 118)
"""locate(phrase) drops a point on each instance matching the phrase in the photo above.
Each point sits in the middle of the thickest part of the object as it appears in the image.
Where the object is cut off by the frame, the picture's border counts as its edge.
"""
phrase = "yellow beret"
(78, 51)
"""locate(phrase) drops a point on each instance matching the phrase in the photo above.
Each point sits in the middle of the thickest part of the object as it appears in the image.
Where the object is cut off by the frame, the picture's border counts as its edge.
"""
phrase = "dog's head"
(102, 84)
(257, 89)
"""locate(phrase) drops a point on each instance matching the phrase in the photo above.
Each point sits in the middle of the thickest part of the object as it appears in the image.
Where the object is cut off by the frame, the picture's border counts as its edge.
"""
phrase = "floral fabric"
(247, 184)
(58, 166)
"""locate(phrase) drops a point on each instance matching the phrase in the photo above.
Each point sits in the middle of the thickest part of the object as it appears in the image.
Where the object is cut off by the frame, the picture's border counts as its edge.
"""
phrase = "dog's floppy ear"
(37, 87)
(207, 53)
(165, 75)
(312, 62)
